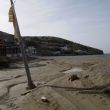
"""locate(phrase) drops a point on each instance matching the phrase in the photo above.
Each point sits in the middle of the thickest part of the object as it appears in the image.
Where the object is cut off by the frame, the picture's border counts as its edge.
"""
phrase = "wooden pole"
(31, 85)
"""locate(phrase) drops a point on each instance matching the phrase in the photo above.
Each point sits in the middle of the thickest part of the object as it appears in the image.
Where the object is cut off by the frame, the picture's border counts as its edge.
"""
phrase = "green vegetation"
(51, 45)
(48, 45)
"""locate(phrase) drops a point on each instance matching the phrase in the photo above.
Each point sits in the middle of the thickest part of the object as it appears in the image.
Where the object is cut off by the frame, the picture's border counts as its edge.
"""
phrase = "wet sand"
(51, 77)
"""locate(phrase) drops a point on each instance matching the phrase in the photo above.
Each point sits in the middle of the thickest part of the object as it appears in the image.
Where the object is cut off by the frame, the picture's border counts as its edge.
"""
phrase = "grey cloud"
(83, 21)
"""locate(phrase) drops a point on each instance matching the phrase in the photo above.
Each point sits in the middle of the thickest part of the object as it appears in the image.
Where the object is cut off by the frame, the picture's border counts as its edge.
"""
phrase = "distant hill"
(7, 37)
(48, 45)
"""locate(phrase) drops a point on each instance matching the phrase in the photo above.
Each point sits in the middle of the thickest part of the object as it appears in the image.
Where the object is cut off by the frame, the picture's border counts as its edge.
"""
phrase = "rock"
(73, 78)
(86, 76)
(44, 99)
(107, 90)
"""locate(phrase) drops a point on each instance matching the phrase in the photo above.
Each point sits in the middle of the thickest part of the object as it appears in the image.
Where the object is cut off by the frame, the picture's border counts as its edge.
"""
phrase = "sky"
(83, 21)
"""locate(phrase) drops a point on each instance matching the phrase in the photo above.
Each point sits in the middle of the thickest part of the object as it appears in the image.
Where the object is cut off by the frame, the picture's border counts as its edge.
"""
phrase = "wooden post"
(30, 82)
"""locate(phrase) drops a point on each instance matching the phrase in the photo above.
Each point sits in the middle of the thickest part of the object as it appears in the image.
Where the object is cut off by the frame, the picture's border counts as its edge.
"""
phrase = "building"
(31, 51)
(8, 47)
(12, 49)
(2, 48)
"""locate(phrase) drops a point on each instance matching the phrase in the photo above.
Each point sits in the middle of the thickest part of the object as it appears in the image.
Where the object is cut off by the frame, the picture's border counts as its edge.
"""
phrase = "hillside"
(7, 37)
(48, 45)
(52, 45)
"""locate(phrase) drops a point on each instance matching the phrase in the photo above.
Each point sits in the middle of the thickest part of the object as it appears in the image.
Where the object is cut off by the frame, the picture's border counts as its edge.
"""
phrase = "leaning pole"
(31, 85)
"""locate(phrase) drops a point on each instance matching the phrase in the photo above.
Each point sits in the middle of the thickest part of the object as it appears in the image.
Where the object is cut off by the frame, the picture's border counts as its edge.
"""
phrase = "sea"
(107, 54)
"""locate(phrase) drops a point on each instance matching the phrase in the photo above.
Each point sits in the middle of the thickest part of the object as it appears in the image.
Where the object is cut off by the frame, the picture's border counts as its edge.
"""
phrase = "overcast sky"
(82, 21)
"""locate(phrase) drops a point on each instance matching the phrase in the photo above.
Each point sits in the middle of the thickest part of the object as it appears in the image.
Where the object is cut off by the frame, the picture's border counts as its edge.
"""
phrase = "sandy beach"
(55, 79)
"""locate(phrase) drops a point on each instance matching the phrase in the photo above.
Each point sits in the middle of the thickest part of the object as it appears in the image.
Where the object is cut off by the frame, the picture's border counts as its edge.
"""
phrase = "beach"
(67, 82)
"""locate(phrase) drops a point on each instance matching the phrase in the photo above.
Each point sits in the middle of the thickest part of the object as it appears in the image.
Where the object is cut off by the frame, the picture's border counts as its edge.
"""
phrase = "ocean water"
(107, 54)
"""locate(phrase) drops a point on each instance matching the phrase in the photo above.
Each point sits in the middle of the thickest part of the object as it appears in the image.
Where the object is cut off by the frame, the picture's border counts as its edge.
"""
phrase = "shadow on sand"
(84, 90)
(104, 89)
